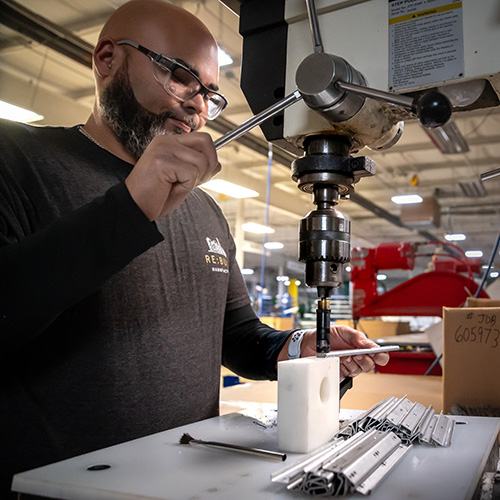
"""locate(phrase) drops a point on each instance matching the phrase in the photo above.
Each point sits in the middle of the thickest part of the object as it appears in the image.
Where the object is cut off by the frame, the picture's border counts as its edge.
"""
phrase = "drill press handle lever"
(432, 108)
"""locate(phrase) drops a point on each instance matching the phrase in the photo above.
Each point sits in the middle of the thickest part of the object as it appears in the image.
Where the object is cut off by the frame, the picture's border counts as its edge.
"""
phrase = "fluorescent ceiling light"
(494, 274)
(448, 139)
(473, 189)
(454, 237)
(229, 189)
(17, 114)
(247, 271)
(282, 278)
(253, 227)
(490, 174)
(474, 253)
(273, 245)
(381, 277)
(224, 58)
(463, 93)
(406, 199)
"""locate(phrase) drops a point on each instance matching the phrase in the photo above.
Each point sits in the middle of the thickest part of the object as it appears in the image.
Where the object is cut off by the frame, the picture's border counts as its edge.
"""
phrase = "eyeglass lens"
(182, 84)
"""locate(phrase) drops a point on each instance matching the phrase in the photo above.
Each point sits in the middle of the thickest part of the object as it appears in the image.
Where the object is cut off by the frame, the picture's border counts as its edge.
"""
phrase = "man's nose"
(197, 103)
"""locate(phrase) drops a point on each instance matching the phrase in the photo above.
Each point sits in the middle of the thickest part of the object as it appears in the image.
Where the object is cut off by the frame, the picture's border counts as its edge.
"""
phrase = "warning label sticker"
(425, 42)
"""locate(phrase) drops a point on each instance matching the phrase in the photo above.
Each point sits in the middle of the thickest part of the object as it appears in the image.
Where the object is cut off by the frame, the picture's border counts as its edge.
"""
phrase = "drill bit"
(323, 327)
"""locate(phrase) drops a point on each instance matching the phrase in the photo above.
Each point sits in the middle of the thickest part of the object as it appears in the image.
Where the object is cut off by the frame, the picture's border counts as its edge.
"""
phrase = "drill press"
(352, 117)
(329, 172)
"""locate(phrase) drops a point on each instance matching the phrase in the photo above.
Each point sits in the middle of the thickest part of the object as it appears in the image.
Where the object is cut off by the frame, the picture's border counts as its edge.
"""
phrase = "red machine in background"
(448, 283)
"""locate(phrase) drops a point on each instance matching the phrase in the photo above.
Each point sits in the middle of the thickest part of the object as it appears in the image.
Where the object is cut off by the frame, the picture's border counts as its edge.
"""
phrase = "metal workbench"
(157, 467)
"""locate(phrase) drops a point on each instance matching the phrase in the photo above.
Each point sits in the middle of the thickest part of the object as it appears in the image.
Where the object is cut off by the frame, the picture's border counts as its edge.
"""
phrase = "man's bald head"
(166, 29)
(149, 20)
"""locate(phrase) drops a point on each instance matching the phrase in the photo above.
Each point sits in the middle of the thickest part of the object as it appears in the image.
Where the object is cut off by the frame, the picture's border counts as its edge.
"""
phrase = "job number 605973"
(480, 334)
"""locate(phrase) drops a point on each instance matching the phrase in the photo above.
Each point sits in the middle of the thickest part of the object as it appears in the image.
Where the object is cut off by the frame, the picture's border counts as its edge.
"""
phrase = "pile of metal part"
(355, 464)
(366, 449)
(409, 421)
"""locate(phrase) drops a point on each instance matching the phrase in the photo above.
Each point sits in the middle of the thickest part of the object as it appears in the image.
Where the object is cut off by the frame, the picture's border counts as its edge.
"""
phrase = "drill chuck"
(324, 246)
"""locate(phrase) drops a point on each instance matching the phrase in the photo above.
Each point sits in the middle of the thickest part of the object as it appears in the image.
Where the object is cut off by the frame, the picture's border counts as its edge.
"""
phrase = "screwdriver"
(257, 119)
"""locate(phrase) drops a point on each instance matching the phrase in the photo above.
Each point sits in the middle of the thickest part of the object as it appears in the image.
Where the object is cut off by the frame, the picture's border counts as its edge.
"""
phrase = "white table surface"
(157, 467)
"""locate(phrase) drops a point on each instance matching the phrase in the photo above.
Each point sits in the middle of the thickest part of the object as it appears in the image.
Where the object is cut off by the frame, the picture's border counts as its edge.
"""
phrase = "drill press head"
(328, 173)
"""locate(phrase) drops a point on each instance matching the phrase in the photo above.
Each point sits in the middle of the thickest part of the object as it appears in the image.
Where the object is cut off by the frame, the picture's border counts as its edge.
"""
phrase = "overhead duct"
(18, 18)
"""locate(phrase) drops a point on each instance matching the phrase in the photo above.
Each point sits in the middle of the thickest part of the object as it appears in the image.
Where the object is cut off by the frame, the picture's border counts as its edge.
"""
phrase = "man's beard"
(133, 125)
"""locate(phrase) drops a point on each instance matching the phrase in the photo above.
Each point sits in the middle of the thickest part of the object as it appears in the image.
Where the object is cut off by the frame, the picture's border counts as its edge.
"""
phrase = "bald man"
(120, 294)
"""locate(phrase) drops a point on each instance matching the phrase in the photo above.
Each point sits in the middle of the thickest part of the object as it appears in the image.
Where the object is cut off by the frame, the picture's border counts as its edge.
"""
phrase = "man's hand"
(170, 168)
(342, 337)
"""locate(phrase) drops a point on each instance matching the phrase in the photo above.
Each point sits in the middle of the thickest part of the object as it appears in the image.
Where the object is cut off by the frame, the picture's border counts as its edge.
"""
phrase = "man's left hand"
(343, 337)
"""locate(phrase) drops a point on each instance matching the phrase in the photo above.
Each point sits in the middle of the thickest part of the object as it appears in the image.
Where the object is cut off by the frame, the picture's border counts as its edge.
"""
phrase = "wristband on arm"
(294, 346)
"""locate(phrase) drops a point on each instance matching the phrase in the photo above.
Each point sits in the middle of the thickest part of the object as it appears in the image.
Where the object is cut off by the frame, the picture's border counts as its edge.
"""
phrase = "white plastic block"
(308, 403)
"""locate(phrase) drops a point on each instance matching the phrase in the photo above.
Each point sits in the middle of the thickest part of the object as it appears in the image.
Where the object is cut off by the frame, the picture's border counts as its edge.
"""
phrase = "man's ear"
(105, 54)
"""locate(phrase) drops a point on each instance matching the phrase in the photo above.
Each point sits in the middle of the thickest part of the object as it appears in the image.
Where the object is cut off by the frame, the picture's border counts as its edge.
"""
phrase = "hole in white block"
(324, 391)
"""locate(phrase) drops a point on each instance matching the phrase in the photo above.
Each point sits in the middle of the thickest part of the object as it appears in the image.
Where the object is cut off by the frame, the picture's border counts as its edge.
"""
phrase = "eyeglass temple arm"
(129, 42)
(140, 48)
(257, 119)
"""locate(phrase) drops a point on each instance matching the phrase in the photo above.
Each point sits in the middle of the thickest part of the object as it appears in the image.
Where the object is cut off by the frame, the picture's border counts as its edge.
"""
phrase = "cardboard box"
(278, 322)
(473, 302)
(427, 213)
(471, 357)
(377, 329)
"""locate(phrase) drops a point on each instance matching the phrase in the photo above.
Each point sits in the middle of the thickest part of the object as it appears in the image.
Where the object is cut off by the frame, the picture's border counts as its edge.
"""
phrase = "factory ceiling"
(44, 66)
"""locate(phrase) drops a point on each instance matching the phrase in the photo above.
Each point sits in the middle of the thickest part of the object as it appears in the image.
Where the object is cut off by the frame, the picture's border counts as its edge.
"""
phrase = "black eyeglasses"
(180, 82)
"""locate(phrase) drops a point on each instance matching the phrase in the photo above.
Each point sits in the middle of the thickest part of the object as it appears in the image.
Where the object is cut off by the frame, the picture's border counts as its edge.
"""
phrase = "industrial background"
(45, 66)
(45, 49)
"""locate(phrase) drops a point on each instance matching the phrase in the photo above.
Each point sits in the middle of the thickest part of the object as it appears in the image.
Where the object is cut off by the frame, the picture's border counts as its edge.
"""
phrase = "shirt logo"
(214, 246)
(216, 256)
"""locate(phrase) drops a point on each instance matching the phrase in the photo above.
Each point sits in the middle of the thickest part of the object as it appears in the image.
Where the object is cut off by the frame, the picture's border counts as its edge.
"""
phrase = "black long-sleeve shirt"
(111, 327)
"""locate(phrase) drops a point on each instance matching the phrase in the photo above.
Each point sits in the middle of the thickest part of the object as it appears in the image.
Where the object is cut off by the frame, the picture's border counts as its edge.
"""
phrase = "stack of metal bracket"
(366, 449)
(357, 464)
(410, 421)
